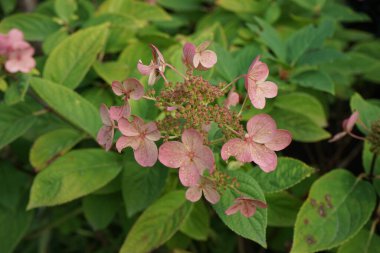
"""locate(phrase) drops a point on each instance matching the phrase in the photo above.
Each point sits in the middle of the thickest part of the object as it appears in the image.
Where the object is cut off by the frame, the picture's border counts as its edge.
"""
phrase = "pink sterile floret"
(199, 57)
(208, 187)
(18, 53)
(257, 87)
(155, 68)
(106, 133)
(259, 144)
(129, 89)
(140, 137)
(246, 206)
(347, 125)
(232, 99)
(191, 157)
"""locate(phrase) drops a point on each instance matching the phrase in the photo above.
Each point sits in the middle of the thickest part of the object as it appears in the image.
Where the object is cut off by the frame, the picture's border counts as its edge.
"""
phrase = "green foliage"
(197, 224)
(62, 181)
(253, 228)
(282, 209)
(336, 200)
(364, 241)
(158, 223)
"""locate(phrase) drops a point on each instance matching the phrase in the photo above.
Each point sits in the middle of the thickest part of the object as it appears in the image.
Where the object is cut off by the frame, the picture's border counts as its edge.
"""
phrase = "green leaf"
(367, 156)
(289, 172)
(52, 145)
(69, 104)
(53, 40)
(337, 207)
(282, 209)
(301, 127)
(312, 5)
(8, 5)
(141, 186)
(14, 220)
(35, 26)
(197, 224)
(132, 54)
(368, 112)
(111, 71)
(342, 12)
(17, 89)
(304, 104)
(3, 85)
(320, 56)
(240, 6)
(72, 176)
(363, 242)
(253, 228)
(158, 223)
(181, 6)
(14, 122)
(99, 210)
(70, 61)
(65, 9)
(315, 79)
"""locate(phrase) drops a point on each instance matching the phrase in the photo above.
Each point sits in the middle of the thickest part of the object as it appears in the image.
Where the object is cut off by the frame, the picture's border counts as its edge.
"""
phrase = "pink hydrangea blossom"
(155, 68)
(191, 157)
(347, 125)
(246, 206)
(232, 99)
(129, 89)
(208, 187)
(199, 57)
(258, 88)
(260, 143)
(106, 133)
(140, 137)
(18, 53)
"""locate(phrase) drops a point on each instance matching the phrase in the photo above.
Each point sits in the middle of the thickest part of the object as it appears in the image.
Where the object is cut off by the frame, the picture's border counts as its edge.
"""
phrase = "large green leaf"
(14, 122)
(65, 9)
(363, 242)
(253, 228)
(301, 127)
(337, 207)
(197, 224)
(141, 186)
(14, 219)
(368, 112)
(158, 223)
(289, 171)
(73, 175)
(282, 209)
(8, 5)
(367, 157)
(315, 79)
(52, 145)
(34, 26)
(69, 104)
(304, 104)
(70, 61)
(99, 210)
(112, 71)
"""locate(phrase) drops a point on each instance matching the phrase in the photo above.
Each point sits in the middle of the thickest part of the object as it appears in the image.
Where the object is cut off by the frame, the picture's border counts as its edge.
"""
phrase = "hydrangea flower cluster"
(189, 108)
(16, 52)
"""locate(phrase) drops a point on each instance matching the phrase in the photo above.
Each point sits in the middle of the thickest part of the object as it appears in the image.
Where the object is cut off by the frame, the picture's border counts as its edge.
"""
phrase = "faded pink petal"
(146, 154)
(189, 175)
(117, 88)
(267, 89)
(128, 128)
(232, 99)
(152, 132)
(237, 148)
(208, 59)
(15, 35)
(158, 59)
(206, 127)
(188, 53)
(105, 137)
(204, 159)
(259, 203)
(258, 71)
(247, 209)
(192, 139)
(203, 46)
(203, 59)
(338, 136)
(173, 154)
(350, 122)
(20, 58)
(233, 209)
(265, 158)
(261, 128)
(105, 115)
(281, 139)
(127, 141)
(210, 192)
(194, 193)
(145, 69)
(171, 108)
(118, 112)
(130, 88)
(196, 60)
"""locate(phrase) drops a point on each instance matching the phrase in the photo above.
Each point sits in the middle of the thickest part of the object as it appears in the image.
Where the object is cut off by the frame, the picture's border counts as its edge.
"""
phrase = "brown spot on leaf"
(313, 202)
(328, 201)
(322, 210)
(310, 239)
(306, 221)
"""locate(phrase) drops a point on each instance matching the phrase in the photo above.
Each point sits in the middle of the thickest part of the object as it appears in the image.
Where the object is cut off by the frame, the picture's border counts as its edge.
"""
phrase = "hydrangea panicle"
(247, 206)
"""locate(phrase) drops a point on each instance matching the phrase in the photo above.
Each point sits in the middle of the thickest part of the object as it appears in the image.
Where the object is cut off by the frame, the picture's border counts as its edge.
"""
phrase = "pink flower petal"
(232, 99)
(247, 209)
(257, 98)
(281, 139)
(196, 59)
(15, 35)
(194, 193)
(118, 112)
(259, 203)
(153, 77)
(117, 88)
(152, 133)
(202, 47)
(267, 89)
(233, 209)
(105, 115)
(261, 127)
(105, 137)
(158, 58)
(192, 139)
(146, 154)
(237, 148)
(127, 141)
(338, 136)
(189, 175)
(210, 193)
(173, 154)
(258, 71)
(145, 69)
(265, 158)
(188, 53)
(204, 159)
(128, 128)
(208, 59)
(134, 88)
(351, 122)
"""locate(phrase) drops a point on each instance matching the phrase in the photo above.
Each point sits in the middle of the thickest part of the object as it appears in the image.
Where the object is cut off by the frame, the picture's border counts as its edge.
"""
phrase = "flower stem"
(232, 82)
(243, 105)
(175, 70)
(149, 98)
